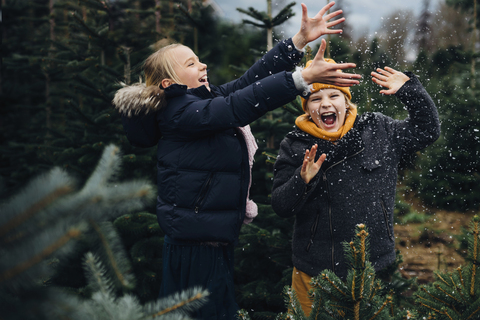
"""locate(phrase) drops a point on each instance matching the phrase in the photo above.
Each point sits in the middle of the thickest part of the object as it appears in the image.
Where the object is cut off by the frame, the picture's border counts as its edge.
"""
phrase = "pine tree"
(263, 263)
(40, 226)
(423, 34)
(143, 240)
(360, 296)
(265, 20)
(448, 171)
(456, 294)
(26, 93)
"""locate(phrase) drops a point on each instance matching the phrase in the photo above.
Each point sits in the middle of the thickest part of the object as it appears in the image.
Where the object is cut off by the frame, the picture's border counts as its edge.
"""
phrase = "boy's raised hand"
(321, 71)
(310, 167)
(390, 79)
(313, 28)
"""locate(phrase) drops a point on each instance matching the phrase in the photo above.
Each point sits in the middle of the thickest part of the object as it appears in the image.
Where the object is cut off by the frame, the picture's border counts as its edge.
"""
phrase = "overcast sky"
(362, 15)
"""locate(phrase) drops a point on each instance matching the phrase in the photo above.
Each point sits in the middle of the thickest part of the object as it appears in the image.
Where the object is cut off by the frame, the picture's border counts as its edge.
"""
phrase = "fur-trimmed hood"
(136, 98)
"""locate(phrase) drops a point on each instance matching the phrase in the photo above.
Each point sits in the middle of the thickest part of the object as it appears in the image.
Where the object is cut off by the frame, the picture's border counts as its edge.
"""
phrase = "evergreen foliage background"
(63, 60)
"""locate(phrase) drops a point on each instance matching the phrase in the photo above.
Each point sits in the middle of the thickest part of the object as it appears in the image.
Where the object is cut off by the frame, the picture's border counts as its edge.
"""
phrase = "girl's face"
(328, 109)
(189, 69)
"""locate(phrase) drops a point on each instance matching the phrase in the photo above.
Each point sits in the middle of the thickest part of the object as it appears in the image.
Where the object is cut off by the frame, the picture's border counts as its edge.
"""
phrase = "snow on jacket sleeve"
(290, 192)
(283, 57)
(422, 127)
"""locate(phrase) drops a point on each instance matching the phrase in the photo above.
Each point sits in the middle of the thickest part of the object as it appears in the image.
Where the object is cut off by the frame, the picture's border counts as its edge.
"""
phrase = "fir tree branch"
(473, 313)
(475, 251)
(428, 293)
(439, 276)
(387, 301)
(179, 305)
(355, 252)
(36, 207)
(110, 255)
(445, 292)
(431, 308)
(353, 284)
(457, 288)
(325, 277)
(446, 313)
(356, 310)
(343, 307)
(97, 271)
(8, 274)
(375, 289)
(459, 270)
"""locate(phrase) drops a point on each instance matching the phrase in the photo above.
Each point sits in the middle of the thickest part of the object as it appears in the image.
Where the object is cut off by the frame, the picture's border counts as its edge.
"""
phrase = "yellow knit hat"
(319, 86)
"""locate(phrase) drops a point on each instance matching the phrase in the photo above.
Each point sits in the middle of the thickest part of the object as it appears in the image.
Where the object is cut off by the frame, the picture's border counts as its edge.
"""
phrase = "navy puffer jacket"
(203, 170)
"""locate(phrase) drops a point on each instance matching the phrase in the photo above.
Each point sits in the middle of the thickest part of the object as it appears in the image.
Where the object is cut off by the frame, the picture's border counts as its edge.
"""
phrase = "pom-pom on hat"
(319, 86)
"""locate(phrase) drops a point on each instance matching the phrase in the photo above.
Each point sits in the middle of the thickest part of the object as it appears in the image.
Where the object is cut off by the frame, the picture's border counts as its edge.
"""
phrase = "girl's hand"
(321, 71)
(313, 28)
(310, 168)
(389, 78)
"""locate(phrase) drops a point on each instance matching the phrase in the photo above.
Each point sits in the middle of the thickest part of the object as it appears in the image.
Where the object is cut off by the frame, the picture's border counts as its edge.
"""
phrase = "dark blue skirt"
(190, 264)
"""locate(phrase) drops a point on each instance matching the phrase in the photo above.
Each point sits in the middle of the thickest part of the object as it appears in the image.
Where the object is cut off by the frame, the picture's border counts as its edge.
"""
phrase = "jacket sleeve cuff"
(293, 53)
(300, 83)
(410, 89)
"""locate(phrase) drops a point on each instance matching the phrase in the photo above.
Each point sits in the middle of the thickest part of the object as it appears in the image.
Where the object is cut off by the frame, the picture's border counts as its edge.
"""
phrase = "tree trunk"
(271, 139)
(269, 30)
(48, 99)
(158, 18)
(474, 45)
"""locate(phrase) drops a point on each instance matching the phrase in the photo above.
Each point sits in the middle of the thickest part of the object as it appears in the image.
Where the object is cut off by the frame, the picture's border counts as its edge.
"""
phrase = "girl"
(354, 179)
(205, 150)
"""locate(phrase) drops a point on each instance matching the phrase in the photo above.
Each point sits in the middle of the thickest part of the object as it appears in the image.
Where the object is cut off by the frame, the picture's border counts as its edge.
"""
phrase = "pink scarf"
(251, 210)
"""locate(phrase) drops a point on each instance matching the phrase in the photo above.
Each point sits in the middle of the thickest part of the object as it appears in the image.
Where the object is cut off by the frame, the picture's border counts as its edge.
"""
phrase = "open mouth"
(203, 79)
(329, 118)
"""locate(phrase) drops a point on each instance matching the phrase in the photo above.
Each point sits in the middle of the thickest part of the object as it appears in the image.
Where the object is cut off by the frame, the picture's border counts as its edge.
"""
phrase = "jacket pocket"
(203, 193)
(387, 224)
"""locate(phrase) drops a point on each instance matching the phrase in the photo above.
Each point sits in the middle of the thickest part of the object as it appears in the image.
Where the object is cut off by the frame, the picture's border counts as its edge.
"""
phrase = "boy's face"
(189, 69)
(328, 109)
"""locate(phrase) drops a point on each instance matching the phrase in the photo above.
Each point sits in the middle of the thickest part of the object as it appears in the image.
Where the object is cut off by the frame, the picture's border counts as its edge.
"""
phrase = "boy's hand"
(310, 168)
(321, 71)
(389, 78)
(313, 28)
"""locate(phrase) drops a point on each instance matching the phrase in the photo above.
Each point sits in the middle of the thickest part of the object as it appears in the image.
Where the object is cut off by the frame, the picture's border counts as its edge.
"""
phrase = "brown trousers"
(301, 285)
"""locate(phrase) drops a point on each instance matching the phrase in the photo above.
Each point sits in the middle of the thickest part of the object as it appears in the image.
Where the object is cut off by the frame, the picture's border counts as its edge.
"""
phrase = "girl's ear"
(166, 82)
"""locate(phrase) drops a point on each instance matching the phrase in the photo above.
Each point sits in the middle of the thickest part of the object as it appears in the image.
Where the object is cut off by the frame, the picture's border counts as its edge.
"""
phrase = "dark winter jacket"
(203, 170)
(356, 184)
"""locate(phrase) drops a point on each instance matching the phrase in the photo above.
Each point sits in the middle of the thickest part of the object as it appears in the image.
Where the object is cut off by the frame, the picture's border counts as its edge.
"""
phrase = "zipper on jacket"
(304, 194)
(314, 227)
(385, 216)
(313, 230)
(203, 193)
(330, 219)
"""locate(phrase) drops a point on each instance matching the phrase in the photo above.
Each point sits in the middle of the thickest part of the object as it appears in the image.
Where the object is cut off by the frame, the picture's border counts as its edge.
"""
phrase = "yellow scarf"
(305, 124)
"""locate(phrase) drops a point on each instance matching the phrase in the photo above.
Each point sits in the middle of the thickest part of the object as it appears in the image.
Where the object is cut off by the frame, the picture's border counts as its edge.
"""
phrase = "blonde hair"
(158, 66)
(349, 102)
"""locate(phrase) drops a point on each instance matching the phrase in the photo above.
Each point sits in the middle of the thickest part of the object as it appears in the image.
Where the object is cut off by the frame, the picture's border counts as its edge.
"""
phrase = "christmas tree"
(41, 225)
(360, 296)
(456, 294)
